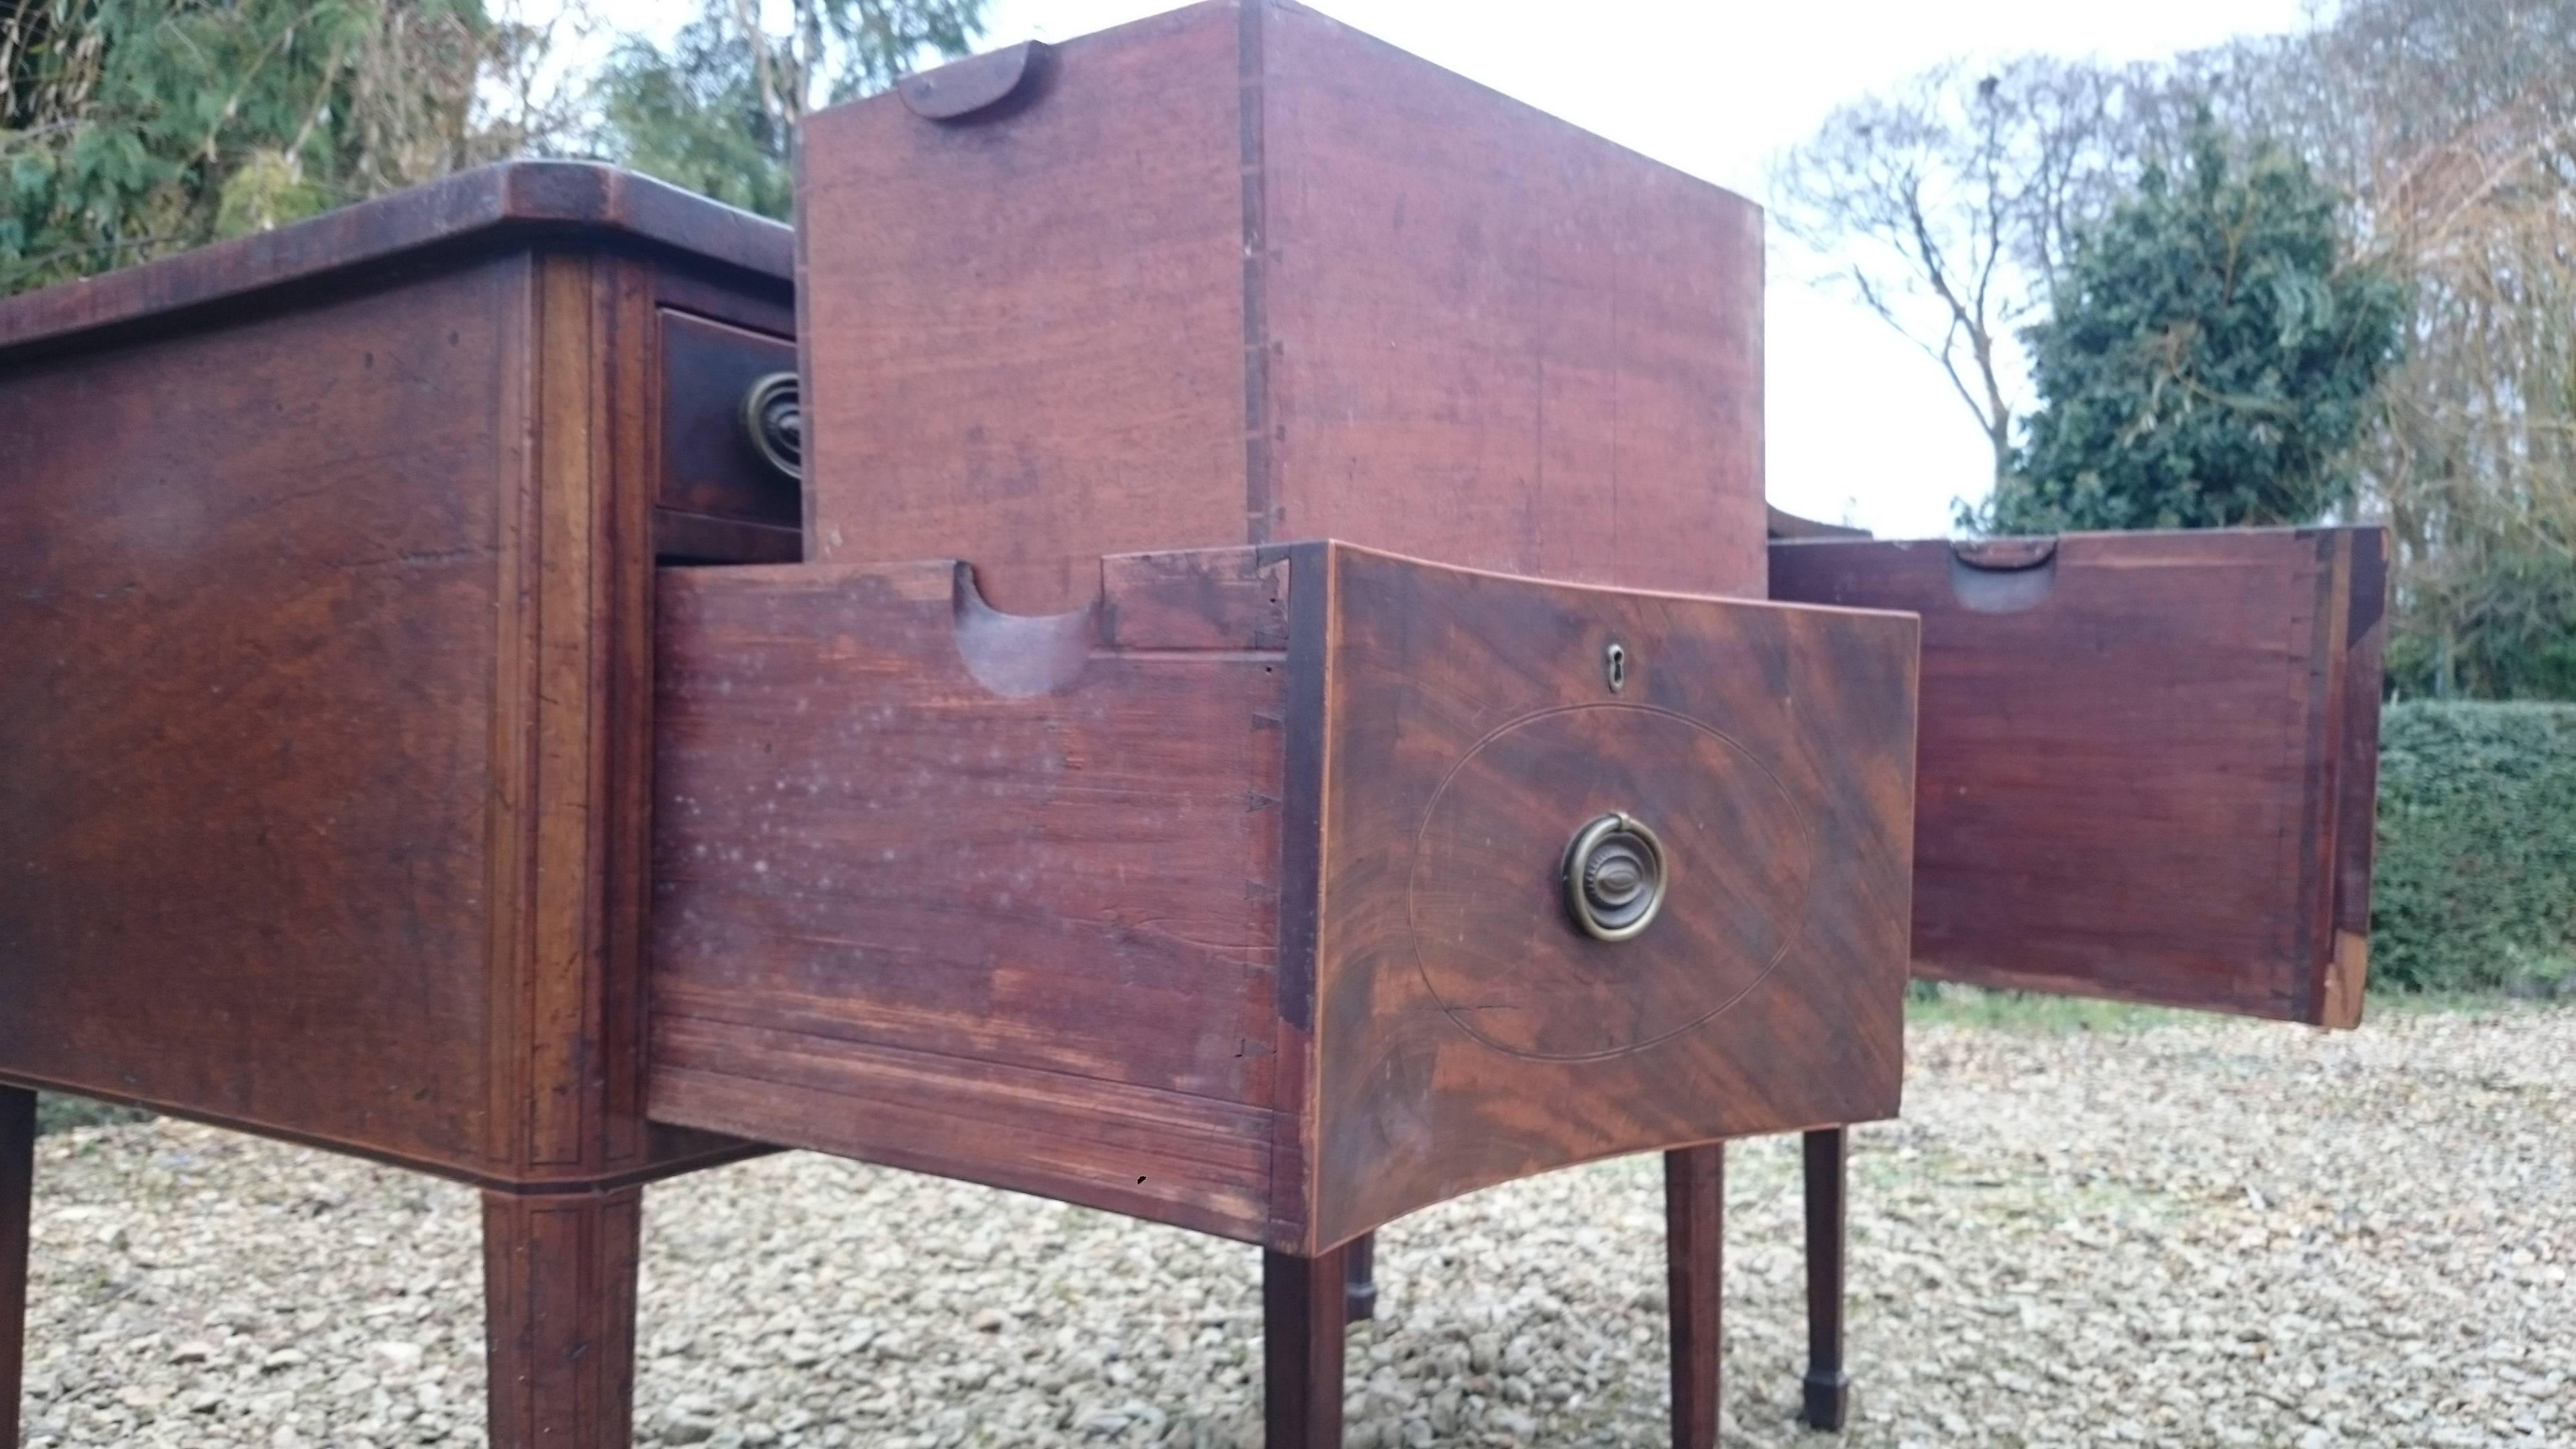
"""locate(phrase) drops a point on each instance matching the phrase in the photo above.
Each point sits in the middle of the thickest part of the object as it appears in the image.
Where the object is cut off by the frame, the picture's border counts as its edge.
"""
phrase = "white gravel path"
(2202, 1234)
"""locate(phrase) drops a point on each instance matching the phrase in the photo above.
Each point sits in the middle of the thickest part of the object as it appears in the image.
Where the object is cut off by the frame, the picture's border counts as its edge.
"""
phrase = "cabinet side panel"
(1501, 342)
(1024, 333)
(246, 657)
(985, 896)
(2146, 761)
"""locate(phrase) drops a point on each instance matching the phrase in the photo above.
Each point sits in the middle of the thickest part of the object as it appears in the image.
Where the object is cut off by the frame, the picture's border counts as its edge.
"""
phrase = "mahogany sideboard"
(1238, 682)
(325, 651)
(469, 709)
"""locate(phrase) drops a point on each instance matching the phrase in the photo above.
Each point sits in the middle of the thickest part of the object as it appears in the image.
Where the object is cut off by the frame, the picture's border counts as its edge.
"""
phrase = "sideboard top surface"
(513, 201)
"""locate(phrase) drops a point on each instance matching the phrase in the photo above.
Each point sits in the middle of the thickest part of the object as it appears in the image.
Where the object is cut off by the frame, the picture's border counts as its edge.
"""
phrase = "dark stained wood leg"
(1828, 1386)
(1360, 1256)
(1304, 1302)
(1695, 1260)
(17, 1191)
(559, 1301)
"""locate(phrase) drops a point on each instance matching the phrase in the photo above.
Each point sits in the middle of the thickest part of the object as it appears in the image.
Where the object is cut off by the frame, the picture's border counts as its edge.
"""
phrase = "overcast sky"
(1861, 424)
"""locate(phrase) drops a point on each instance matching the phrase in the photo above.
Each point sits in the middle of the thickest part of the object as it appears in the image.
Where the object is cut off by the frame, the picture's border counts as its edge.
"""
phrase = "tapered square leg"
(1695, 1260)
(559, 1305)
(1828, 1234)
(1304, 1305)
(17, 1192)
(1359, 1259)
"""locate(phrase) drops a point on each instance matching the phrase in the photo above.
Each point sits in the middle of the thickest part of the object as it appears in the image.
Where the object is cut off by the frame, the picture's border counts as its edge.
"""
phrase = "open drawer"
(1253, 898)
(2147, 760)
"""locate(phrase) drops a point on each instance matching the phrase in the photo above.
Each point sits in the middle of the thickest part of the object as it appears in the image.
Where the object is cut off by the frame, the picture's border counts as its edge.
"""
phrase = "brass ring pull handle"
(773, 419)
(1616, 878)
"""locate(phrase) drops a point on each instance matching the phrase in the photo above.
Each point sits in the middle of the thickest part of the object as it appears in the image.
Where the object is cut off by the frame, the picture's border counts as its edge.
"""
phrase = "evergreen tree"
(130, 128)
(2210, 358)
(717, 110)
(134, 128)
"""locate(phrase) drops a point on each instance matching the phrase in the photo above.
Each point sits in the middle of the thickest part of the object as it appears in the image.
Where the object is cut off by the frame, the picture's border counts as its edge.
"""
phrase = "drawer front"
(2148, 760)
(718, 497)
(1604, 872)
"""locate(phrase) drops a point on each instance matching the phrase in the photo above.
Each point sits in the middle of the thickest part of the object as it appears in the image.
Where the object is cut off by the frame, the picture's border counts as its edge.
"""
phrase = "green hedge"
(2475, 883)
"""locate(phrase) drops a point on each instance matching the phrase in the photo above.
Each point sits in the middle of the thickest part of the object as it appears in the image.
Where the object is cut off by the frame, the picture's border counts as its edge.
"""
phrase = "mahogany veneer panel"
(1239, 273)
(1466, 1035)
(324, 650)
(1233, 900)
(2148, 761)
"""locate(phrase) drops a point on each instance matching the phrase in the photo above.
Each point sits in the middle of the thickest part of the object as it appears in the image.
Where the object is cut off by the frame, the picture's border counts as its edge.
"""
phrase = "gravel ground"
(2203, 1234)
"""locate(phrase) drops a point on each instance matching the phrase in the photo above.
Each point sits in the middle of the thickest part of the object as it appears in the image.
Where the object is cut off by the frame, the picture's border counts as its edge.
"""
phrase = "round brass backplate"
(1616, 877)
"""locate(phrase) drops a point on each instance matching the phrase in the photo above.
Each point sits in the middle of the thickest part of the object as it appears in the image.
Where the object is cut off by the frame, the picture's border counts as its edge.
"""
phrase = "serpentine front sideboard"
(1211, 657)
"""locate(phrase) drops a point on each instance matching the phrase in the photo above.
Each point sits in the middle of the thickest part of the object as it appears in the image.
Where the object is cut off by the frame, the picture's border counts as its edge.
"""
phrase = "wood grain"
(708, 467)
(1547, 346)
(2146, 760)
(1466, 1032)
(1027, 334)
(1695, 1282)
(559, 1272)
(1303, 1314)
(977, 893)
(503, 207)
(331, 659)
(1148, 906)
(247, 651)
(1825, 1156)
(1181, 292)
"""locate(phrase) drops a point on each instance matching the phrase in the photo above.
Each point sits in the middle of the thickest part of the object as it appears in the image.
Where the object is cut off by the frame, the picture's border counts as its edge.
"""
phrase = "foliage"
(2046, 1013)
(2491, 613)
(2449, 129)
(130, 128)
(134, 128)
(2209, 360)
(692, 115)
(716, 111)
(2475, 461)
(2454, 128)
(2474, 887)
(62, 1114)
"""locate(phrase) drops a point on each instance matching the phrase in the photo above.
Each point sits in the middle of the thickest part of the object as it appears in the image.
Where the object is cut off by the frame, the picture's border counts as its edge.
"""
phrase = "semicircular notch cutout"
(2002, 575)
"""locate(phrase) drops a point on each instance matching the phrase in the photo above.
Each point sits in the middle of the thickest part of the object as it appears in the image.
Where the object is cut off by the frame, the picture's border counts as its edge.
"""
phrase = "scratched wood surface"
(1179, 285)
(2147, 760)
(326, 653)
(559, 1272)
(1232, 900)
(1466, 1033)
(977, 893)
(246, 651)
(514, 203)
(1549, 347)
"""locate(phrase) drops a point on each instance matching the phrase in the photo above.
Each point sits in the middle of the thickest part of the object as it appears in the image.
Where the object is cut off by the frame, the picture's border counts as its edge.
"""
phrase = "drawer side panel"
(963, 892)
(2146, 759)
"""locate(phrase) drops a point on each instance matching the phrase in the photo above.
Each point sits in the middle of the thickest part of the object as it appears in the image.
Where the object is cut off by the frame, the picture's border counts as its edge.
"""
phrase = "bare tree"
(2453, 126)
(1947, 207)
